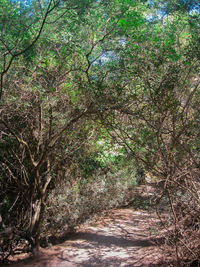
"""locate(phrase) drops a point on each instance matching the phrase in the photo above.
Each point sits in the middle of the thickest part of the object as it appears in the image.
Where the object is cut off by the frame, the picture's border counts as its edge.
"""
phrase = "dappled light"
(99, 132)
(119, 238)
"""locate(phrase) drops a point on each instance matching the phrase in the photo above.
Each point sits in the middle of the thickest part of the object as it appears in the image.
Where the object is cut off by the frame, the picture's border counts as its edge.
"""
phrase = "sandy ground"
(122, 237)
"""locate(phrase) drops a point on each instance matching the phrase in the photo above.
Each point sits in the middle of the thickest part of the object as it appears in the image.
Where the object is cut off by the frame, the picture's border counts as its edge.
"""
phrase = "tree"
(45, 100)
(157, 122)
(128, 67)
(22, 25)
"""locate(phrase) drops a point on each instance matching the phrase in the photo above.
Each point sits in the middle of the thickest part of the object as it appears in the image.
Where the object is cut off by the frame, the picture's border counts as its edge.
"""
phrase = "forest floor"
(121, 237)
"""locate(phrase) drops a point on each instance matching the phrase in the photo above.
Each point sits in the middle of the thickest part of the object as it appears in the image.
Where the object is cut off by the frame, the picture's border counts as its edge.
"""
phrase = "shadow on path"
(104, 240)
(121, 238)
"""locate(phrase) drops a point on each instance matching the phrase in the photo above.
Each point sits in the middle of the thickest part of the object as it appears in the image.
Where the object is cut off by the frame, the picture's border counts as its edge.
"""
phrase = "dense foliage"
(96, 95)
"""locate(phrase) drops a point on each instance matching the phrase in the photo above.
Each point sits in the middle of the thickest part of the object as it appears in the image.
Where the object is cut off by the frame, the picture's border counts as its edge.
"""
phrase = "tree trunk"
(38, 227)
(36, 223)
(39, 206)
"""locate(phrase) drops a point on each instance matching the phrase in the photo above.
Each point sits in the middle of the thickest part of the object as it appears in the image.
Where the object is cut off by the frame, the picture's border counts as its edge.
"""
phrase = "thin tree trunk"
(38, 227)
(38, 216)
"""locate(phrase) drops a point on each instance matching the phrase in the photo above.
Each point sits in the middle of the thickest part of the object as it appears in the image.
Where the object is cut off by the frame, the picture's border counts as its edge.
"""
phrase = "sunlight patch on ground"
(120, 238)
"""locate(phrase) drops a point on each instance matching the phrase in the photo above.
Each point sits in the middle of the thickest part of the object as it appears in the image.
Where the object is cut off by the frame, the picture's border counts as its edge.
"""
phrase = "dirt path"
(122, 238)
